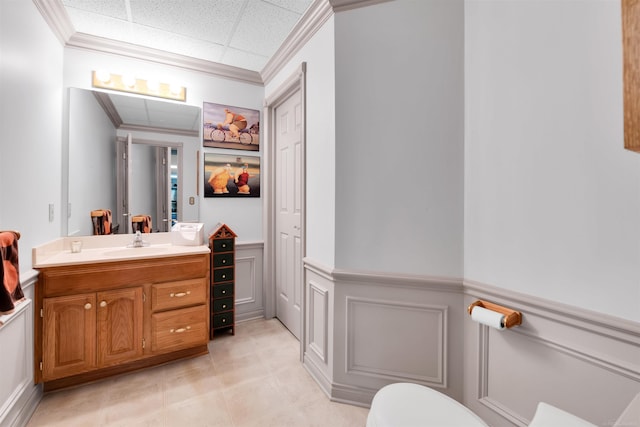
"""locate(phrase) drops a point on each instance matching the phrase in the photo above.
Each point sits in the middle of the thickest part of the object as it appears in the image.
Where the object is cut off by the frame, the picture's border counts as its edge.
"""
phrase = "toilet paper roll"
(488, 317)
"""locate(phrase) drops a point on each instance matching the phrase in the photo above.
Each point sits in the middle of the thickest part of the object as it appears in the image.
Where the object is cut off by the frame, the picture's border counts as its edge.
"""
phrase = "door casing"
(297, 81)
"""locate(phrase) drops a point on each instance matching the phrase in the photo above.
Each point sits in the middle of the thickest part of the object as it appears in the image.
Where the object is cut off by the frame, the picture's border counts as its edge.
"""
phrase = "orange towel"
(141, 223)
(10, 292)
(101, 219)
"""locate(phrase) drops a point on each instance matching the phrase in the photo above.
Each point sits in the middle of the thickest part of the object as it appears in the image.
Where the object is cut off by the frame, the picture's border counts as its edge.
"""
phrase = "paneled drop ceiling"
(240, 33)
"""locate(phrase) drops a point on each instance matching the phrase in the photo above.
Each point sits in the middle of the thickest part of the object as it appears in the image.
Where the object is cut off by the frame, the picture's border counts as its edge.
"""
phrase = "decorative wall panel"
(318, 311)
(249, 302)
(583, 362)
(396, 341)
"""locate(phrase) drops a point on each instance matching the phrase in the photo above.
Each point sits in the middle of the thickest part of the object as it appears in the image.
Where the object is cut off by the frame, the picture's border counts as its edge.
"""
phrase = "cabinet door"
(69, 335)
(119, 326)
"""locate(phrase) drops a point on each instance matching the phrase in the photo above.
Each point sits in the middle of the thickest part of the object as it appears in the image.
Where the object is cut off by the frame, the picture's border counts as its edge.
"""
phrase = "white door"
(289, 169)
(123, 180)
(163, 188)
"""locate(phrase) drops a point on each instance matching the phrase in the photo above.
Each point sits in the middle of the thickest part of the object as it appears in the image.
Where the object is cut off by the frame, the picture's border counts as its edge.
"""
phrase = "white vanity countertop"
(110, 248)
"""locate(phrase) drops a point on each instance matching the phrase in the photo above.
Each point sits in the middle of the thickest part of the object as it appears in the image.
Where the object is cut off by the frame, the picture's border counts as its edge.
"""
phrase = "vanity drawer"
(184, 293)
(223, 275)
(176, 329)
(222, 304)
(223, 245)
(222, 260)
(225, 290)
(223, 319)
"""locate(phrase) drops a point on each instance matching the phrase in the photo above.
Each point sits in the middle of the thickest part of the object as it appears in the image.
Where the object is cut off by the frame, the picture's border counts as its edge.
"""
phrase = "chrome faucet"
(137, 240)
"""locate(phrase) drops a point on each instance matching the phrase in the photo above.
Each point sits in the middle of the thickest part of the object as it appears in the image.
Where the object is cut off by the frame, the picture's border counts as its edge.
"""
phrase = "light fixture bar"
(105, 80)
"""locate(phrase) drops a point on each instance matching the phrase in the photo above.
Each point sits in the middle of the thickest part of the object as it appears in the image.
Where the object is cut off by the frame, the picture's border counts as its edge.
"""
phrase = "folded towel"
(141, 223)
(10, 292)
(101, 219)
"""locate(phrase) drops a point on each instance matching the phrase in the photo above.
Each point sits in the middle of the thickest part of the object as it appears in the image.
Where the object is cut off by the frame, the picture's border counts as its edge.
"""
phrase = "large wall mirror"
(127, 154)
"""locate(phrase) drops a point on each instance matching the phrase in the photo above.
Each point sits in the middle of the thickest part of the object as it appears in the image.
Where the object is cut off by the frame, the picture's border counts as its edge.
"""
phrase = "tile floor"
(254, 378)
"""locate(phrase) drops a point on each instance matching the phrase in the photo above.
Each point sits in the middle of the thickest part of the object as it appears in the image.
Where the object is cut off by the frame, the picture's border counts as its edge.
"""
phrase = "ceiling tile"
(263, 27)
(240, 33)
(199, 19)
(297, 6)
(247, 60)
(113, 8)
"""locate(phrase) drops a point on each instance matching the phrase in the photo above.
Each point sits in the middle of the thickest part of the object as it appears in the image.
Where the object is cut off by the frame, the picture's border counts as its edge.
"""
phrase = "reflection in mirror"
(96, 171)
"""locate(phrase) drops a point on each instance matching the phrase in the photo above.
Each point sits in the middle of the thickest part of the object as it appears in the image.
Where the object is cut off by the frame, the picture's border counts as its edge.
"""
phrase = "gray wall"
(552, 199)
(30, 123)
(399, 137)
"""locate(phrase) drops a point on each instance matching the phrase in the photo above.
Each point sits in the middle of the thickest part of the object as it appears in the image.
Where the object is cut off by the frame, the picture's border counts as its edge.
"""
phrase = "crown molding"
(312, 20)
(168, 131)
(115, 47)
(105, 102)
(318, 13)
(58, 20)
(56, 17)
(108, 107)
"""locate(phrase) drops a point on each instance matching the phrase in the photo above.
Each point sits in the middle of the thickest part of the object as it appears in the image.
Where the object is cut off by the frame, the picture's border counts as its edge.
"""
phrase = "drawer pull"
(87, 306)
(224, 245)
(224, 320)
(224, 276)
(103, 303)
(224, 292)
(224, 261)
(180, 330)
(179, 294)
(224, 305)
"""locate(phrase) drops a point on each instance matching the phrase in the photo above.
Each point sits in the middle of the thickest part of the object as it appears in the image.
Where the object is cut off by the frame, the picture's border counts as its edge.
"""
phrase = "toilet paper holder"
(511, 317)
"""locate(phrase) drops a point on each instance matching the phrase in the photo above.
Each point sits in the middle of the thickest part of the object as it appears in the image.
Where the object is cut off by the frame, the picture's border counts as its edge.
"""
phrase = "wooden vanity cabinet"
(89, 331)
(101, 319)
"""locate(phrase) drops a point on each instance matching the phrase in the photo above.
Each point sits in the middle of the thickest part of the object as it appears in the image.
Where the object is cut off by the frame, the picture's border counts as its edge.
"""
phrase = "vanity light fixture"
(129, 83)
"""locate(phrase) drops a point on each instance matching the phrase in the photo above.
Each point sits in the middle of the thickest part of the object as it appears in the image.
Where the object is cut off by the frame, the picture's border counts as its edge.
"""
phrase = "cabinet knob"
(103, 303)
(224, 292)
(224, 320)
(224, 261)
(224, 276)
(224, 245)
(224, 305)
(87, 306)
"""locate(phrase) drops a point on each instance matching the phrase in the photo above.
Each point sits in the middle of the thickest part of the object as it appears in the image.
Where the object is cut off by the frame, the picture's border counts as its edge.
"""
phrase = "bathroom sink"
(144, 251)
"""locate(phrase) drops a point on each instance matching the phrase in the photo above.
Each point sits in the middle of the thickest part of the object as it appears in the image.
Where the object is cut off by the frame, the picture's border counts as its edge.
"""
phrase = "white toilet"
(413, 405)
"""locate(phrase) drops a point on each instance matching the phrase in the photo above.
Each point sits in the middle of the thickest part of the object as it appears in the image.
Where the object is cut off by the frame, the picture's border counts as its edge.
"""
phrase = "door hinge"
(144, 297)
(41, 366)
(41, 313)
(143, 343)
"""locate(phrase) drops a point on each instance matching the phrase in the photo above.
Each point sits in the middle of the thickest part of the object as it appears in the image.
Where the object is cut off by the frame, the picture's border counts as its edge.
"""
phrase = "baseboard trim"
(316, 373)
(358, 396)
(19, 412)
(251, 315)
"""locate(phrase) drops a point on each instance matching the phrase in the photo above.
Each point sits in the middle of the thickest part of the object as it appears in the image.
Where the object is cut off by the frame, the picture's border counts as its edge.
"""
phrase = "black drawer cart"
(222, 243)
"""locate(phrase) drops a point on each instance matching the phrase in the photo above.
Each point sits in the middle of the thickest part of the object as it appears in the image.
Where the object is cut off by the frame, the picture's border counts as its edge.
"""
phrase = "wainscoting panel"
(373, 341)
(318, 310)
(583, 362)
(18, 395)
(319, 314)
(393, 328)
(249, 299)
